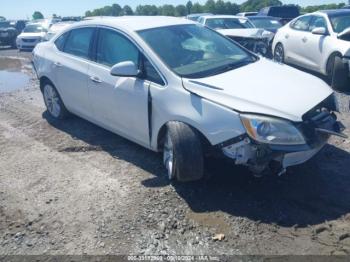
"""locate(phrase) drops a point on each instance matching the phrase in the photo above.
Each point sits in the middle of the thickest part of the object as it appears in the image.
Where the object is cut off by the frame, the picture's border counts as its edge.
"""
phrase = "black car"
(285, 13)
(268, 23)
(19, 25)
(8, 34)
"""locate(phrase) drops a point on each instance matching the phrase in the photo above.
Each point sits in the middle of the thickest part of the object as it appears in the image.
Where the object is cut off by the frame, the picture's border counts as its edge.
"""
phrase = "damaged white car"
(177, 87)
(240, 29)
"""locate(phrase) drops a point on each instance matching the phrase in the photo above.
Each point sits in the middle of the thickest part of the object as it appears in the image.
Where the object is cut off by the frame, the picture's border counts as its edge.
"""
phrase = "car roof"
(136, 23)
(335, 12)
(223, 16)
(264, 17)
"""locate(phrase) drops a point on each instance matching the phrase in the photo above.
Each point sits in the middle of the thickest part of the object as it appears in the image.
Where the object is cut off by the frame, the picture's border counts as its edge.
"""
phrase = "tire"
(330, 66)
(183, 153)
(14, 44)
(340, 80)
(53, 102)
(278, 54)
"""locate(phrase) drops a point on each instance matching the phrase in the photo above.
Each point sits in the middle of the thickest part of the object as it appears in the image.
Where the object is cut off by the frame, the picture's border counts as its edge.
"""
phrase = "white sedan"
(314, 41)
(32, 35)
(177, 87)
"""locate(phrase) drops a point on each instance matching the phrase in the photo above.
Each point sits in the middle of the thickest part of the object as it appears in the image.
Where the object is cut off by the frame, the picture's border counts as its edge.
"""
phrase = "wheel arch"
(45, 80)
(334, 53)
(162, 132)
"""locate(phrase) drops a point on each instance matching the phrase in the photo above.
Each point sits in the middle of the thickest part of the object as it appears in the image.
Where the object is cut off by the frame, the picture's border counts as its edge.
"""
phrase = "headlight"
(272, 130)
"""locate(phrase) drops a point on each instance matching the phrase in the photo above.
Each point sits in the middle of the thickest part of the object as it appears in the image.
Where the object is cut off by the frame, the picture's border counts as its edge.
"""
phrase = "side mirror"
(125, 69)
(319, 31)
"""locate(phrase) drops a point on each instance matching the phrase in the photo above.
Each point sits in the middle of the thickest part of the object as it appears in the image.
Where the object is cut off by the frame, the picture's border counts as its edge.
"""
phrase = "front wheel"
(53, 102)
(182, 153)
(278, 55)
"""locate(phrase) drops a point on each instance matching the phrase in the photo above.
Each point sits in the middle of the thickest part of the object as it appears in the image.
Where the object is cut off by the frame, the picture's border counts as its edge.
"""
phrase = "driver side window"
(113, 48)
(302, 24)
(317, 22)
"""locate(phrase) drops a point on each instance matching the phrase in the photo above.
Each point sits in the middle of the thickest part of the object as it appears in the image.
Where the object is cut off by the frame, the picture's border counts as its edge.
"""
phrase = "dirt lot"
(74, 188)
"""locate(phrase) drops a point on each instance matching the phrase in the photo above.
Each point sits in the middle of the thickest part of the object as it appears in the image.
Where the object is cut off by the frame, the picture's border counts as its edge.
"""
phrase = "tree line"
(210, 6)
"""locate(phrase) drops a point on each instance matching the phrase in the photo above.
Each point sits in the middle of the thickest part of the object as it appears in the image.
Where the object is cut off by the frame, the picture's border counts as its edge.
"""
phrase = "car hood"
(247, 32)
(263, 87)
(31, 35)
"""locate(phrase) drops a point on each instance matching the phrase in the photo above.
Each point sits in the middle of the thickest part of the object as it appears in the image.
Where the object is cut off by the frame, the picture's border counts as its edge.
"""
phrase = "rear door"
(71, 64)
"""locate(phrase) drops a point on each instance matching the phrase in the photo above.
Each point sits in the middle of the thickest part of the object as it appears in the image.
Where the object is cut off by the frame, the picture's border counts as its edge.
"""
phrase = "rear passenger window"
(78, 42)
(61, 41)
(113, 48)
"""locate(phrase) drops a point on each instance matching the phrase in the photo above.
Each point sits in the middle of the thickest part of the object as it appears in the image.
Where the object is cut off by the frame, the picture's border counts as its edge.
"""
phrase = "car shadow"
(308, 194)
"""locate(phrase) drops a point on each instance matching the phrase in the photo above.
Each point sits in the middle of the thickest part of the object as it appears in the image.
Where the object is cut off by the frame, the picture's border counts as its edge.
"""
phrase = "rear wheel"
(330, 66)
(279, 53)
(53, 102)
(183, 153)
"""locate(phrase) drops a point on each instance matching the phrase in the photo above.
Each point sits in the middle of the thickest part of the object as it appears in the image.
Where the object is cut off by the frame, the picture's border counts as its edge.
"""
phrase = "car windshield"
(4, 24)
(266, 23)
(228, 23)
(34, 29)
(340, 22)
(194, 51)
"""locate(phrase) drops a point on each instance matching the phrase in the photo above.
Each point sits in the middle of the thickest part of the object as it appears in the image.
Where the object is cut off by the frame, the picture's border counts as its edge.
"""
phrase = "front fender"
(216, 123)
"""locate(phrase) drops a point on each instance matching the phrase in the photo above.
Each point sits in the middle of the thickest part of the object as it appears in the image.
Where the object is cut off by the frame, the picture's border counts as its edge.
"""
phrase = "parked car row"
(319, 42)
(24, 35)
(177, 87)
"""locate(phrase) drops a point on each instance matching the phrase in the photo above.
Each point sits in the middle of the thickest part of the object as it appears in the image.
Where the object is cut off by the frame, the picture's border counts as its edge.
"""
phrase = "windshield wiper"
(230, 67)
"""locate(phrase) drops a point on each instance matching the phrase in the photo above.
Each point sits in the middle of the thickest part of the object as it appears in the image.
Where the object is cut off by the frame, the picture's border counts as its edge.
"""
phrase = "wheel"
(183, 153)
(53, 102)
(330, 66)
(278, 55)
(340, 75)
(14, 44)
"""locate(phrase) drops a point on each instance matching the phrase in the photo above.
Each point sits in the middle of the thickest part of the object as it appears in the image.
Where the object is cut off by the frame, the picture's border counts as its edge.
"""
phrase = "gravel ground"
(73, 188)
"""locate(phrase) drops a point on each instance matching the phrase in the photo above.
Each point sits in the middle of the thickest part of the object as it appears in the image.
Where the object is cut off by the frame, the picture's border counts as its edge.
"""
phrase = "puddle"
(11, 76)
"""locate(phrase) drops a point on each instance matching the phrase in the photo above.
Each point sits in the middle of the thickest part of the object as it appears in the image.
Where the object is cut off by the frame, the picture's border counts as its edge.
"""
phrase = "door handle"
(286, 36)
(58, 64)
(96, 79)
(304, 39)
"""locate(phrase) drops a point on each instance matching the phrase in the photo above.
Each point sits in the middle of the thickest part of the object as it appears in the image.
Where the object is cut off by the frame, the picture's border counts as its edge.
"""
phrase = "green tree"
(167, 10)
(256, 5)
(197, 8)
(180, 10)
(189, 6)
(127, 10)
(210, 6)
(2, 18)
(147, 10)
(38, 15)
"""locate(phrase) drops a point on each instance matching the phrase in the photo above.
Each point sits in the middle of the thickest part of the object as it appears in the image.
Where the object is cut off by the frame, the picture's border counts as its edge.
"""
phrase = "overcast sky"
(16, 9)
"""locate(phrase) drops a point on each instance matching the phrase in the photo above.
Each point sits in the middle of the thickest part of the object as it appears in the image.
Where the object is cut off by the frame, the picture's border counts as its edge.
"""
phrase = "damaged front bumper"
(317, 128)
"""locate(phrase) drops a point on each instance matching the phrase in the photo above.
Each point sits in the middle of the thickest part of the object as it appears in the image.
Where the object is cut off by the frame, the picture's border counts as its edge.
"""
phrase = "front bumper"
(316, 128)
(258, 45)
(27, 43)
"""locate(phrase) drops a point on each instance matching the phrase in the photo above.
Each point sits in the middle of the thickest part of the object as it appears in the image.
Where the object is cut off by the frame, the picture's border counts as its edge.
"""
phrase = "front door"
(118, 103)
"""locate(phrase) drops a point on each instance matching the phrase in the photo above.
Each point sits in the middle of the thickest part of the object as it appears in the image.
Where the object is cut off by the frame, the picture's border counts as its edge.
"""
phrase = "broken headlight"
(270, 130)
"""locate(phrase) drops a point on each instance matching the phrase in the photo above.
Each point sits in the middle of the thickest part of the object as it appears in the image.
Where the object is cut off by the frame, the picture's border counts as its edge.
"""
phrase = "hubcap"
(279, 54)
(52, 101)
(168, 156)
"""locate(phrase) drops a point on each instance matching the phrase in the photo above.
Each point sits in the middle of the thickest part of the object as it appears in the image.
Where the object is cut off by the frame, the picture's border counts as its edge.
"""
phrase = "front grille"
(28, 40)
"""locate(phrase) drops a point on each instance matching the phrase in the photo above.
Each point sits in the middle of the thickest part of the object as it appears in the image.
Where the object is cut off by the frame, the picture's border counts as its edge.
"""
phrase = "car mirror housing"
(125, 69)
(319, 31)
